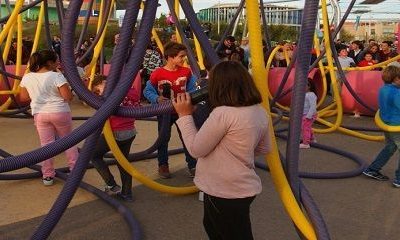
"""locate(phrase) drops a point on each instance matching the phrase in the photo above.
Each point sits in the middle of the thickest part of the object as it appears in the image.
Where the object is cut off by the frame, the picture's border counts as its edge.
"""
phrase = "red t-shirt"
(125, 123)
(176, 79)
(365, 63)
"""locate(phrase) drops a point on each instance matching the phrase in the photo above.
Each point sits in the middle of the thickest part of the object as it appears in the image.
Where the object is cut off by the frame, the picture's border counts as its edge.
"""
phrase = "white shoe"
(48, 181)
(304, 146)
(314, 140)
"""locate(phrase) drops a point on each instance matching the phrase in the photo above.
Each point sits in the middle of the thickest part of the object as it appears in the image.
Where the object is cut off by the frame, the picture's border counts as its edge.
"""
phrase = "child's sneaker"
(304, 146)
(112, 189)
(396, 183)
(125, 197)
(375, 175)
(48, 181)
(163, 171)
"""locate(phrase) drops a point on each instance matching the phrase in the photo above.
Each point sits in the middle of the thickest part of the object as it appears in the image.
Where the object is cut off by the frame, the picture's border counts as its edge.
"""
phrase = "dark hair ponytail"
(40, 59)
(311, 85)
(34, 62)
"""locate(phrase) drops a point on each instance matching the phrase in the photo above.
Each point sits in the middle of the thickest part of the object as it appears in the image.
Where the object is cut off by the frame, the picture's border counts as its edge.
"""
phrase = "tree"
(280, 33)
(346, 36)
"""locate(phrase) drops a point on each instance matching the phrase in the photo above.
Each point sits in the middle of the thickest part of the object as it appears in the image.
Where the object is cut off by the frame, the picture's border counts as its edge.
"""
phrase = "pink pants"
(306, 129)
(48, 126)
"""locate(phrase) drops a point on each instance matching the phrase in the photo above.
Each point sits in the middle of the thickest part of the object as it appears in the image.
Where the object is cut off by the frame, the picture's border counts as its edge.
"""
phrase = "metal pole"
(29, 10)
(236, 23)
(398, 37)
(218, 17)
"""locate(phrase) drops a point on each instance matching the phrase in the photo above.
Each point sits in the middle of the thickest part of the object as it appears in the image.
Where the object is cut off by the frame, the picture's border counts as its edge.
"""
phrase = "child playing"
(168, 81)
(49, 93)
(226, 144)
(367, 61)
(309, 115)
(389, 105)
(124, 132)
(344, 60)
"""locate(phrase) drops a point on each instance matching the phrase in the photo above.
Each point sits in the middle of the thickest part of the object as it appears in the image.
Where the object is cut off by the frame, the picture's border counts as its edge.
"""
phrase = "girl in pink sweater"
(225, 146)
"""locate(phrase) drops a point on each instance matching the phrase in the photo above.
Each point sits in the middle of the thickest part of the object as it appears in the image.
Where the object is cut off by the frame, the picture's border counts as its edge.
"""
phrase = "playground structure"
(120, 76)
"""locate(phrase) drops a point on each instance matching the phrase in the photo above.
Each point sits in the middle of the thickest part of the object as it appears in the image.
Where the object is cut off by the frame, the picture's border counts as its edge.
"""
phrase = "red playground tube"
(366, 85)
(275, 76)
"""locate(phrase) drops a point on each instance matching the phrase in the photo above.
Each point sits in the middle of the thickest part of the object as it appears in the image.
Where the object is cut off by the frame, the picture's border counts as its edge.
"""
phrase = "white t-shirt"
(43, 91)
(346, 62)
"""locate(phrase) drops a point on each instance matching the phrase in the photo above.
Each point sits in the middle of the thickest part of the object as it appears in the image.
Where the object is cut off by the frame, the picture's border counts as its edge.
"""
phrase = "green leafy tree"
(346, 36)
(280, 33)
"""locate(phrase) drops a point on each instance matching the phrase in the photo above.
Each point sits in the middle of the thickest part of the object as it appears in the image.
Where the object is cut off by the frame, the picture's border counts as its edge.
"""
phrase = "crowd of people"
(359, 54)
(225, 208)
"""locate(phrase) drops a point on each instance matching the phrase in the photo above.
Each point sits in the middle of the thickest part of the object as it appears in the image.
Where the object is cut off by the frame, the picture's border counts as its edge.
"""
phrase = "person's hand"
(183, 104)
(227, 51)
(161, 99)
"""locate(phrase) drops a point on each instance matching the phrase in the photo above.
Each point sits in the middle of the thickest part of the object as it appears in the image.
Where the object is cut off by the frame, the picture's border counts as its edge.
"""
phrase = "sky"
(384, 10)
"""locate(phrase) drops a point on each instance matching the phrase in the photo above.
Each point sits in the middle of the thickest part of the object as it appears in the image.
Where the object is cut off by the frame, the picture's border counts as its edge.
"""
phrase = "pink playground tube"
(11, 69)
(275, 76)
(366, 85)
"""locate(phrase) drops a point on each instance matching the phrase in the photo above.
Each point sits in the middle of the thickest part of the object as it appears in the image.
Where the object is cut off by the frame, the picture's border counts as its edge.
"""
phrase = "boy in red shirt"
(367, 61)
(166, 82)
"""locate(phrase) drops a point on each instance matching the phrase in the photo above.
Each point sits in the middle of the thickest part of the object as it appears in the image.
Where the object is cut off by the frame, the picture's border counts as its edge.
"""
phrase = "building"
(379, 30)
(33, 13)
(282, 15)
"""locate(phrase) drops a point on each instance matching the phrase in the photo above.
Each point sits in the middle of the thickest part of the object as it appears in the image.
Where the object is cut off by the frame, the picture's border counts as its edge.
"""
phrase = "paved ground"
(354, 208)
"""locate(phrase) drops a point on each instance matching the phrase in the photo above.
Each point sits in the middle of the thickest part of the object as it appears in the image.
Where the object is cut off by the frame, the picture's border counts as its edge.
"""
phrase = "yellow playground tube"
(272, 158)
(135, 173)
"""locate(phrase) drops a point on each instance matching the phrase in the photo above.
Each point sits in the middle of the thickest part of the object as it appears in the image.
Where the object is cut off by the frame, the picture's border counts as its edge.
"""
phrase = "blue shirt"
(389, 104)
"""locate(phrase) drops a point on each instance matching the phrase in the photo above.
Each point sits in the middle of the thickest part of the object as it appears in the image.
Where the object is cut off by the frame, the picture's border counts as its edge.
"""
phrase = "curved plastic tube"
(11, 20)
(272, 158)
(384, 126)
(135, 173)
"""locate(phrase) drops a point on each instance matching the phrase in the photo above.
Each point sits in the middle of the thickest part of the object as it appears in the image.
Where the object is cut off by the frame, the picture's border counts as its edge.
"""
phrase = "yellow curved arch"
(15, 89)
(272, 158)
(384, 126)
(11, 20)
(135, 173)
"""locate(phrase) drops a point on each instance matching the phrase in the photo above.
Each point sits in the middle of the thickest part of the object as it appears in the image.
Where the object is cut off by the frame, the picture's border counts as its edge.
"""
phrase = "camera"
(199, 95)
(166, 90)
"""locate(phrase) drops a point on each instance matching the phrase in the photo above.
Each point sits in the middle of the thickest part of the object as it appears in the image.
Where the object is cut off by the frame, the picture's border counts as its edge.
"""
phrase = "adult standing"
(356, 49)
(386, 52)
(227, 48)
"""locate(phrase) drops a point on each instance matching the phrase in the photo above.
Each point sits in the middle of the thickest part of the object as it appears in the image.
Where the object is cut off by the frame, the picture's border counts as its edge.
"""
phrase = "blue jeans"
(392, 140)
(163, 147)
(101, 166)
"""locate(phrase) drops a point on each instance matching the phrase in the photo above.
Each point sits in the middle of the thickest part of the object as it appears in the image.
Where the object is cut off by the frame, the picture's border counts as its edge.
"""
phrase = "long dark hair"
(40, 59)
(231, 85)
(311, 86)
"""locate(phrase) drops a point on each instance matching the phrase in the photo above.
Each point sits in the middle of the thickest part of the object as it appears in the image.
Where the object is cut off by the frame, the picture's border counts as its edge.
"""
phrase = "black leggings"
(227, 218)
(101, 166)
